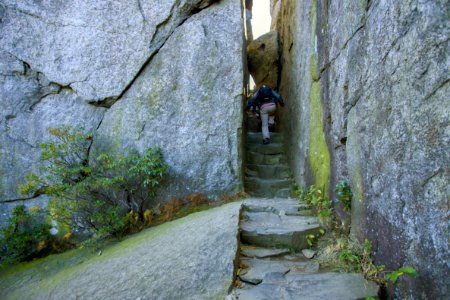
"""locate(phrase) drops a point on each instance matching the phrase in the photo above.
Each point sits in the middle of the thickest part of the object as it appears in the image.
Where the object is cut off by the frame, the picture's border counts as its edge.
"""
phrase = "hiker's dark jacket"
(264, 95)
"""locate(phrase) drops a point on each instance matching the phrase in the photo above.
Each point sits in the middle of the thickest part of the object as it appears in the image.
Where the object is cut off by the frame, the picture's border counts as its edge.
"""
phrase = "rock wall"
(148, 73)
(368, 100)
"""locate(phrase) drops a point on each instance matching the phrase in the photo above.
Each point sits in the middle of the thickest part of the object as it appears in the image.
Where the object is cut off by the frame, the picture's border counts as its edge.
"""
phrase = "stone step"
(258, 252)
(295, 286)
(253, 123)
(288, 207)
(256, 138)
(266, 187)
(266, 229)
(266, 194)
(255, 158)
(259, 270)
(268, 171)
(284, 193)
(272, 148)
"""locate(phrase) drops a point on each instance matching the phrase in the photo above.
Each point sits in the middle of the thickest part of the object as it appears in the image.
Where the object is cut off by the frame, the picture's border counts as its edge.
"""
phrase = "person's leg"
(271, 119)
(265, 113)
(271, 123)
(265, 123)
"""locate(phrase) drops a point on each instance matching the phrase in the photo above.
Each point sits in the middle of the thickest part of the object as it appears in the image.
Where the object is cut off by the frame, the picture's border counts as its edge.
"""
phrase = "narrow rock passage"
(267, 173)
(273, 232)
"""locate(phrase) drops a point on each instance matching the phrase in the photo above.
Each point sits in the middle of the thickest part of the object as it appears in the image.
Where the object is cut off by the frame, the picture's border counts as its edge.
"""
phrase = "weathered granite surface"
(188, 101)
(65, 63)
(30, 104)
(373, 78)
(97, 48)
(190, 258)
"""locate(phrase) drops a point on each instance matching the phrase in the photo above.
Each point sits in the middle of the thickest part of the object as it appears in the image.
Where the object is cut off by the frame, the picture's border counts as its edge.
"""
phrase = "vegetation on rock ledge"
(105, 195)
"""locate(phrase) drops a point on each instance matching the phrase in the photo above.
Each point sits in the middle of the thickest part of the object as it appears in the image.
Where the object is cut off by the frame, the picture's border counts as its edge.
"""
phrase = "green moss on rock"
(41, 278)
(358, 206)
(319, 155)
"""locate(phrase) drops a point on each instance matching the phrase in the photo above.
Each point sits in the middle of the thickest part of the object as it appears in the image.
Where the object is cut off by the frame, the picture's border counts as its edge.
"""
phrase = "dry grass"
(344, 254)
(171, 208)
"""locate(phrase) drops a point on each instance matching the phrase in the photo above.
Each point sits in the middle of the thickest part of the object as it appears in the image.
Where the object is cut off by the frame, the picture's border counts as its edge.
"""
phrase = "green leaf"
(393, 276)
(410, 271)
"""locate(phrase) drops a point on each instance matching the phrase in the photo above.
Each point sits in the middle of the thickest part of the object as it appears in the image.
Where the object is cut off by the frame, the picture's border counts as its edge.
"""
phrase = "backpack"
(265, 95)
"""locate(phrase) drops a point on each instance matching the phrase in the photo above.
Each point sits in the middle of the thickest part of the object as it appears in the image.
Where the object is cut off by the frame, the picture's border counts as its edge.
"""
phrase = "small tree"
(98, 193)
(25, 235)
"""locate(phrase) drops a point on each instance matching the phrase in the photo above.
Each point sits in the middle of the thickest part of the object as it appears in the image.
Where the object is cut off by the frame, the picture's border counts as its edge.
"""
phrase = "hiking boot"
(272, 127)
(266, 141)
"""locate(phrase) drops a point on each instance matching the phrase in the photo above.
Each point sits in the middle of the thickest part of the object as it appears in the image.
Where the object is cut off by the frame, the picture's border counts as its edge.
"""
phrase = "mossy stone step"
(280, 171)
(258, 252)
(336, 286)
(259, 269)
(255, 158)
(256, 138)
(284, 193)
(273, 148)
(279, 206)
(266, 229)
(267, 187)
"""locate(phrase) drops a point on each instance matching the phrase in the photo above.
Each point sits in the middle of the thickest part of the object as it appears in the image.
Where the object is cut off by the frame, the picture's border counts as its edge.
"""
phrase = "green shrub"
(95, 194)
(25, 236)
(344, 195)
(315, 199)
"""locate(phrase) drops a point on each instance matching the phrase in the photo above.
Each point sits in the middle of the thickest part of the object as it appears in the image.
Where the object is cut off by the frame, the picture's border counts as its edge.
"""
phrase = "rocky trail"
(273, 256)
(271, 262)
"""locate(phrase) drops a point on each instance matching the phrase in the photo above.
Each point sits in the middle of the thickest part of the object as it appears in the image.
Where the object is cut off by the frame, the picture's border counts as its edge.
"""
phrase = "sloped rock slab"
(267, 229)
(278, 206)
(334, 286)
(257, 252)
(190, 258)
(259, 269)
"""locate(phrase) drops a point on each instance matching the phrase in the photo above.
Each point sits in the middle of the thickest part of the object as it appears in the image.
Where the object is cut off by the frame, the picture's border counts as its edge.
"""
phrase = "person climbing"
(266, 100)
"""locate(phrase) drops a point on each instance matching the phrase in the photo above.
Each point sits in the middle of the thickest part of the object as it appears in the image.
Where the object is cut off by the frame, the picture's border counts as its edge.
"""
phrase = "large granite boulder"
(65, 63)
(190, 258)
(374, 81)
(30, 104)
(95, 47)
(262, 59)
(188, 101)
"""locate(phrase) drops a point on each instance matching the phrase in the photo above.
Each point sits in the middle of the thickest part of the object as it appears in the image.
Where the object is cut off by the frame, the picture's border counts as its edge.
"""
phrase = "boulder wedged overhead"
(262, 56)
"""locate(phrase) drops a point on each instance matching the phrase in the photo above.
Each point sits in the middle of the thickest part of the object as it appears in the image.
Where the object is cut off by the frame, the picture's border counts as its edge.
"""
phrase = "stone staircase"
(271, 265)
(266, 173)
(273, 233)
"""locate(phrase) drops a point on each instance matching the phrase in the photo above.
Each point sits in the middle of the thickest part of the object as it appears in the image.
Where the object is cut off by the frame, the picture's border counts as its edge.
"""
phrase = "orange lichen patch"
(196, 199)
(238, 284)
(171, 208)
